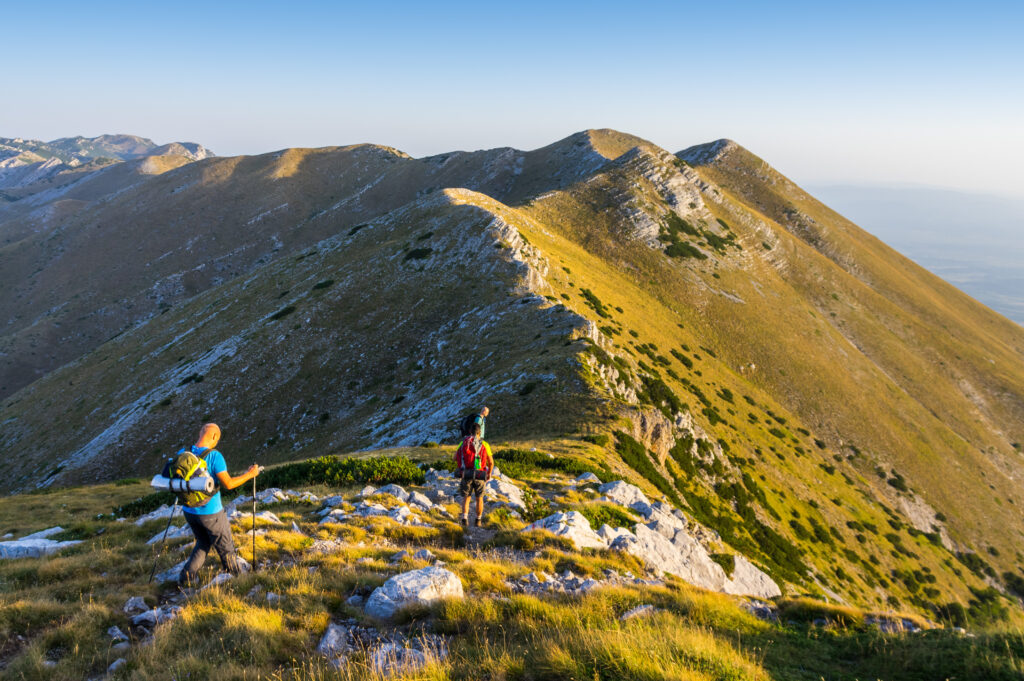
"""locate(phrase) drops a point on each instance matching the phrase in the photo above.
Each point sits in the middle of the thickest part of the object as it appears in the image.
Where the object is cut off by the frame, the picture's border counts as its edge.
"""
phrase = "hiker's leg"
(465, 492)
(220, 530)
(479, 505)
(202, 547)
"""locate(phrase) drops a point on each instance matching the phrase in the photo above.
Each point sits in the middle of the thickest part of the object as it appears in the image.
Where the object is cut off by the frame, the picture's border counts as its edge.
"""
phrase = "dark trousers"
(211, 531)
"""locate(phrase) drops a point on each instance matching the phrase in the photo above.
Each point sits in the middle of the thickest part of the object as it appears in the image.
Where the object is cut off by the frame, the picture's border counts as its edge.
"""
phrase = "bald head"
(209, 436)
(485, 411)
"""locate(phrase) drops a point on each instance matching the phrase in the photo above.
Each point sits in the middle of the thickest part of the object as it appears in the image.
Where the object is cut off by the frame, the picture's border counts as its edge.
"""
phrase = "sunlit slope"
(800, 388)
(81, 274)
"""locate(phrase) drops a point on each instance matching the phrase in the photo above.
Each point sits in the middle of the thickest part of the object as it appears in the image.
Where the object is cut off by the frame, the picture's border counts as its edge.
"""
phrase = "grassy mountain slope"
(835, 413)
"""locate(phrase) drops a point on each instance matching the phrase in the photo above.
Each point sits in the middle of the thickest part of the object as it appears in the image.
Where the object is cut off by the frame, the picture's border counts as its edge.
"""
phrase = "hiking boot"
(464, 521)
(480, 521)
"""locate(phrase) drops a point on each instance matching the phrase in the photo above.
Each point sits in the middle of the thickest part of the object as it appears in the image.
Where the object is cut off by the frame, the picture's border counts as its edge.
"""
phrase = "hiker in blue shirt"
(478, 418)
(209, 522)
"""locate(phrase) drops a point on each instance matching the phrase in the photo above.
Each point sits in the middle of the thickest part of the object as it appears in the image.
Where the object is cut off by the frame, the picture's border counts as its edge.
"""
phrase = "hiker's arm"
(228, 482)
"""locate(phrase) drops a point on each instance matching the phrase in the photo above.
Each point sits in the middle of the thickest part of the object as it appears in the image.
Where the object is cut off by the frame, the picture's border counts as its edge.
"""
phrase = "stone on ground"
(572, 525)
(422, 586)
(621, 492)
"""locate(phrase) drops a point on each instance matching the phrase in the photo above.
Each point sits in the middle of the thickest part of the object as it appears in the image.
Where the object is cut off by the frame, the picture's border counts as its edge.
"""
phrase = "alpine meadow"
(736, 436)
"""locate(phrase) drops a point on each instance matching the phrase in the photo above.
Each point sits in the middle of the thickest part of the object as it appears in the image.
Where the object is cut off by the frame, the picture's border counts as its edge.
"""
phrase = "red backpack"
(470, 458)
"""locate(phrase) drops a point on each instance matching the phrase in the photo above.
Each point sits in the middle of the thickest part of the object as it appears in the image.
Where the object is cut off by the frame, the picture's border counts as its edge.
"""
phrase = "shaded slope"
(306, 354)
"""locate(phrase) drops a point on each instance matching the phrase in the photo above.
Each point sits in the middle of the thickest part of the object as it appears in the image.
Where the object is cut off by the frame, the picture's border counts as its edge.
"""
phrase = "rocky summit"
(716, 405)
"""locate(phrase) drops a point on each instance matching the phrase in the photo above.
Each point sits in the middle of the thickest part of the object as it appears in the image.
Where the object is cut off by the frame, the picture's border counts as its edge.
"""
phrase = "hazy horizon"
(912, 93)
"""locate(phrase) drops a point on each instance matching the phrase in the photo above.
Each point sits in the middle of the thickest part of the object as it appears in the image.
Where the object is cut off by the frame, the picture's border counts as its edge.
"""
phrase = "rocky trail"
(663, 539)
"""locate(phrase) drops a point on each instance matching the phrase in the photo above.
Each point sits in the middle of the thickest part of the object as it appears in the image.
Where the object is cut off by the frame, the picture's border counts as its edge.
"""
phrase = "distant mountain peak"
(702, 154)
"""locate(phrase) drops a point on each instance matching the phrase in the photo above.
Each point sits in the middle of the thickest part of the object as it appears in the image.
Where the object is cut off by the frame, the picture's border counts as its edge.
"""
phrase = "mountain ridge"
(781, 371)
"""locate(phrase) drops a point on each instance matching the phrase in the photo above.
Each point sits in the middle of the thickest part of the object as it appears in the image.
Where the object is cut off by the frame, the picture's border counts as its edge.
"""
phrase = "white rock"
(423, 554)
(273, 598)
(174, 532)
(609, 534)
(588, 477)
(163, 512)
(35, 545)
(218, 580)
(683, 556)
(394, 490)
(506, 489)
(334, 642)
(295, 528)
(638, 611)
(422, 586)
(573, 525)
(134, 606)
(171, 574)
(748, 580)
(623, 493)
(366, 491)
(366, 509)
(116, 664)
(421, 500)
(246, 518)
(115, 632)
(392, 658)
(332, 501)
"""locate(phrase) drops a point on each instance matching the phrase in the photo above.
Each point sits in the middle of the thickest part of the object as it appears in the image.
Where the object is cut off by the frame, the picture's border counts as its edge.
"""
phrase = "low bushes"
(516, 462)
(324, 470)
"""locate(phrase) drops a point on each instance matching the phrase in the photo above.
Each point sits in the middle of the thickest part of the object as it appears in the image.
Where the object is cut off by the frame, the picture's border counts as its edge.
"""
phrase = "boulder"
(682, 556)
(366, 509)
(35, 545)
(332, 501)
(334, 643)
(422, 586)
(170, 574)
(115, 633)
(421, 500)
(163, 512)
(748, 580)
(588, 477)
(623, 493)
(572, 525)
(609, 534)
(116, 664)
(394, 490)
(513, 496)
(133, 606)
(392, 658)
(174, 532)
(221, 578)
(423, 554)
(638, 611)
(366, 491)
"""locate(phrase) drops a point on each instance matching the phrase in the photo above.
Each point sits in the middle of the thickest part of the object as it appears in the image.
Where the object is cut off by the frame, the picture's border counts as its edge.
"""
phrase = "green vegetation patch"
(519, 462)
(635, 454)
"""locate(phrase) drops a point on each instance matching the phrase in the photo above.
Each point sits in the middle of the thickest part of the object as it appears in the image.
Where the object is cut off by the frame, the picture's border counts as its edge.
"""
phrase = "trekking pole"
(254, 522)
(160, 548)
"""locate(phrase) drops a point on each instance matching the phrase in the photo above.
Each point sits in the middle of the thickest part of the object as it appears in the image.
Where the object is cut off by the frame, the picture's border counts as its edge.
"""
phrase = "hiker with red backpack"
(473, 465)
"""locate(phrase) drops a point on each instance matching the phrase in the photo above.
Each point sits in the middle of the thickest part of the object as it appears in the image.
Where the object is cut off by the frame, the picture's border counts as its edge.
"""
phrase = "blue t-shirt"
(214, 464)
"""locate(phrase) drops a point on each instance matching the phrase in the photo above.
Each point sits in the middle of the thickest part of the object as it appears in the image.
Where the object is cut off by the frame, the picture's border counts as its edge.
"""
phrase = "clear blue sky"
(915, 92)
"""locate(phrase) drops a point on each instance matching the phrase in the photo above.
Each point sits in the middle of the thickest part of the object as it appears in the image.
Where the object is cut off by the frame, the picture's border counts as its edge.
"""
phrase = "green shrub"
(418, 253)
(516, 462)
(657, 393)
(600, 514)
(595, 303)
(325, 470)
(601, 439)
(726, 560)
(634, 454)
